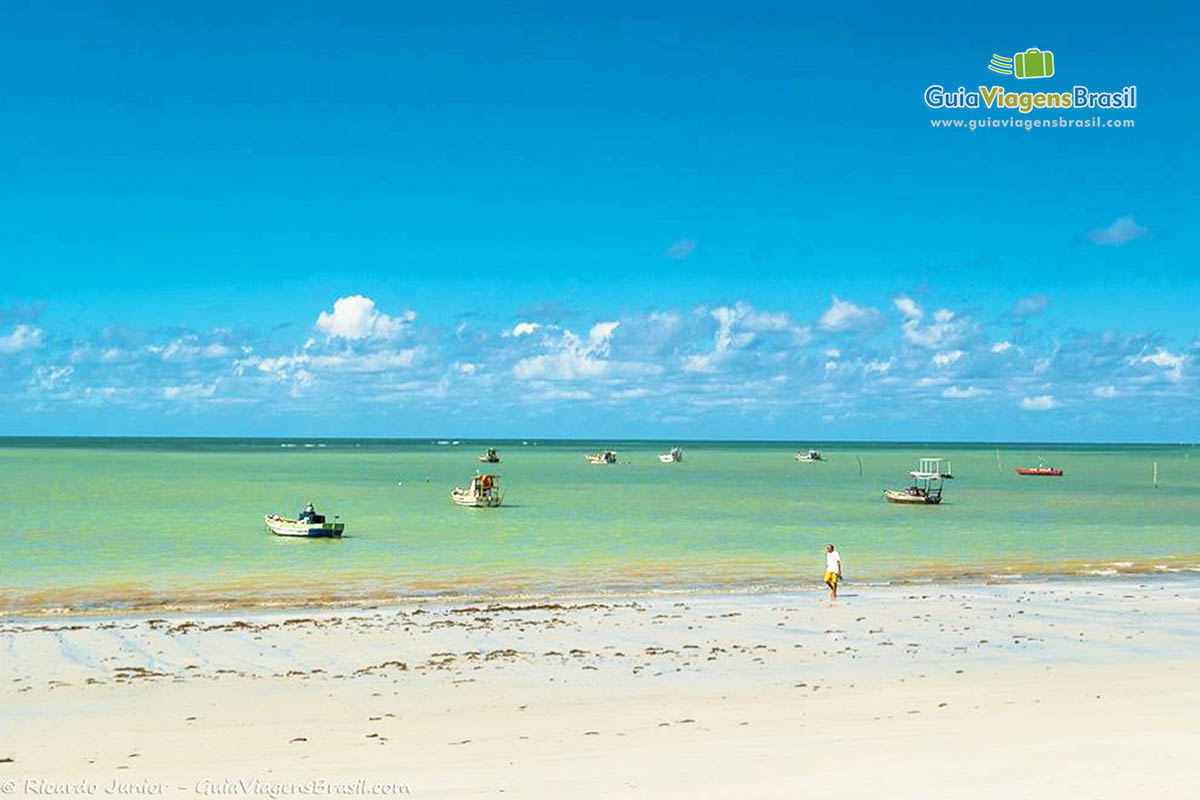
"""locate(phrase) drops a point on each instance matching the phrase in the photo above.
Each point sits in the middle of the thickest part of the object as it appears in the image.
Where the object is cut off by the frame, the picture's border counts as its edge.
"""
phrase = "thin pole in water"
(1155, 474)
(859, 465)
(998, 467)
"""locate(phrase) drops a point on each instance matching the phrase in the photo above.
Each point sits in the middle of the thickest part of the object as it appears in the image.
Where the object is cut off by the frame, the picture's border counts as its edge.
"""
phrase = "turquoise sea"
(113, 523)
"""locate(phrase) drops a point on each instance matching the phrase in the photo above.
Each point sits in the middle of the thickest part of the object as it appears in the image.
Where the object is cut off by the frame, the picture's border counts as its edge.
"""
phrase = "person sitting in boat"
(309, 514)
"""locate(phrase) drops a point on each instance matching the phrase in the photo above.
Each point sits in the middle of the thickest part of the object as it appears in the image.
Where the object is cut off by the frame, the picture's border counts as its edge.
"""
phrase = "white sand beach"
(1060, 689)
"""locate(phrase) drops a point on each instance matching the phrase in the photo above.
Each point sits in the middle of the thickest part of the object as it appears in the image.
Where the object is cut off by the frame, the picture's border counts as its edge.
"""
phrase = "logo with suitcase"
(1033, 63)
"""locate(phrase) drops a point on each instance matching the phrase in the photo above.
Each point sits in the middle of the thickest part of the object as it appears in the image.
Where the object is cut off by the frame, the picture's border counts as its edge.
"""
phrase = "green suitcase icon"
(1033, 63)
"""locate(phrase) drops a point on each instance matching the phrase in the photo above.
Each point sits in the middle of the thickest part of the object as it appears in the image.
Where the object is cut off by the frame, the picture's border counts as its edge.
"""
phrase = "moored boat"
(810, 456)
(1041, 470)
(604, 457)
(927, 484)
(673, 457)
(490, 456)
(309, 524)
(482, 492)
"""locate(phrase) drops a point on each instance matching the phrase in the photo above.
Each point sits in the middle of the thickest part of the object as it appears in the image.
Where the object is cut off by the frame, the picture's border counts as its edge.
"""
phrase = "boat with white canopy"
(927, 484)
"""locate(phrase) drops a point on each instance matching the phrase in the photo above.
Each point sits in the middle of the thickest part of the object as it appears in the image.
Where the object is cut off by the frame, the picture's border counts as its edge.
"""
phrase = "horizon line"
(462, 440)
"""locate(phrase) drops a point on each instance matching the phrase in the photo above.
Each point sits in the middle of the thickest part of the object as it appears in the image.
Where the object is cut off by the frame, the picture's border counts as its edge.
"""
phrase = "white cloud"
(1105, 391)
(842, 315)
(878, 366)
(355, 317)
(963, 394)
(752, 319)
(908, 307)
(573, 358)
(556, 393)
(1121, 231)
(946, 359)
(188, 348)
(50, 377)
(525, 328)
(724, 342)
(946, 329)
(1001, 347)
(23, 337)
(191, 391)
(1043, 402)
(377, 361)
(600, 336)
(289, 367)
(833, 352)
(1171, 364)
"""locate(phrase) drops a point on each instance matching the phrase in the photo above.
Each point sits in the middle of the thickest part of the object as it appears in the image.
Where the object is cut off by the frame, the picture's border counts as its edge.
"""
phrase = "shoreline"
(103, 609)
(930, 690)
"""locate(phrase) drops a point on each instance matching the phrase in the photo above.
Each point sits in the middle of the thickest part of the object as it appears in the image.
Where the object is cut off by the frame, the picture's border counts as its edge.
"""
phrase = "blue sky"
(706, 220)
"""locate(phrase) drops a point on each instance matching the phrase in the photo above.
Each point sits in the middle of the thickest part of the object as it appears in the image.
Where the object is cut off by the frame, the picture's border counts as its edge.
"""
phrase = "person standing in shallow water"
(833, 570)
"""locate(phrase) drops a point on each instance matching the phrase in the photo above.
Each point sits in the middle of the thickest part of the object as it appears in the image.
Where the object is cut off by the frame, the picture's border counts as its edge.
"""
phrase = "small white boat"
(313, 526)
(926, 489)
(673, 457)
(810, 456)
(482, 492)
(606, 457)
(490, 456)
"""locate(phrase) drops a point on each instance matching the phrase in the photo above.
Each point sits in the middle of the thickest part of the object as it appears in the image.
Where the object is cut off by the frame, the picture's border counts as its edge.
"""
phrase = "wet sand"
(1061, 689)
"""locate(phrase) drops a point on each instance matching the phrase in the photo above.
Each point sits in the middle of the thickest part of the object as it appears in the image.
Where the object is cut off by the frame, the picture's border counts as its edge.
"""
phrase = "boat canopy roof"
(926, 476)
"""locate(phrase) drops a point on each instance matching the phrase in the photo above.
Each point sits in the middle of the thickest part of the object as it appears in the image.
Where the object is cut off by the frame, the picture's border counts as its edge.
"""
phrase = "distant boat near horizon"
(603, 457)
(675, 456)
(1041, 470)
(810, 457)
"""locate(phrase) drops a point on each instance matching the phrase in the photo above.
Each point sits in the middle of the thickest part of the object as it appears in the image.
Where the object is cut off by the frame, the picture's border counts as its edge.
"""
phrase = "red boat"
(1041, 470)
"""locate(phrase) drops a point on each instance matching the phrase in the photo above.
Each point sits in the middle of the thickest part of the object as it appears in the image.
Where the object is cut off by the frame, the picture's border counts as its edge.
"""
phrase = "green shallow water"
(95, 523)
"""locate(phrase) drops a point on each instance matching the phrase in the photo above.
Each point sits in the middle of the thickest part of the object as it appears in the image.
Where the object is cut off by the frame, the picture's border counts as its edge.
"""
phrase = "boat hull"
(466, 500)
(282, 526)
(909, 499)
(1036, 472)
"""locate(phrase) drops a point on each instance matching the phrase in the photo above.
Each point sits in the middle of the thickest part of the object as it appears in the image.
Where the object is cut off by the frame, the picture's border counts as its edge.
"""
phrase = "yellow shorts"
(831, 577)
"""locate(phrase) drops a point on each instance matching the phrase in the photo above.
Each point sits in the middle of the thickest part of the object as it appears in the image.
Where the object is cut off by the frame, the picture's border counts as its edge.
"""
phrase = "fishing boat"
(926, 488)
(309, 524)
(810, 456)
(1041, 470)
(482, 492)
(604, 457)
(490, 456)
(673, 457)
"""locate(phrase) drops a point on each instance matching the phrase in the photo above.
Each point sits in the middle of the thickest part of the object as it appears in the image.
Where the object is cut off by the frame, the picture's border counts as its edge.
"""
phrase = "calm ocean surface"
(96, 523)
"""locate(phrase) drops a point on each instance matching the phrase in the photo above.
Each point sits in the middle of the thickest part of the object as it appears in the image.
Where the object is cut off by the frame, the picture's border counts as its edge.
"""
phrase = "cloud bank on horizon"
(913, 370)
